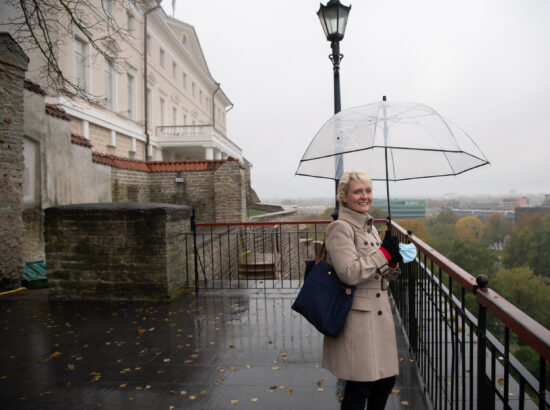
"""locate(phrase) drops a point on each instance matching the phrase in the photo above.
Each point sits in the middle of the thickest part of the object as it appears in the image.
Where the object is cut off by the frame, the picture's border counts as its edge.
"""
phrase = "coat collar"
(355, 218)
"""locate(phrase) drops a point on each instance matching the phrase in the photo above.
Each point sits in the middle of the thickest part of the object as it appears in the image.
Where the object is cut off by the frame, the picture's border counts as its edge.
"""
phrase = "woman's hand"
(390, 244)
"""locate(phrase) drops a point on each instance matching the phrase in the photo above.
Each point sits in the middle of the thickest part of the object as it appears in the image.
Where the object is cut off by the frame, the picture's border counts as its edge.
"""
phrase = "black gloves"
(391, 245)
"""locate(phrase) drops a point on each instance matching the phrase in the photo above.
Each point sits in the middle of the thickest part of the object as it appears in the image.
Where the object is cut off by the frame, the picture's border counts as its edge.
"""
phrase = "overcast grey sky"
(483, 64)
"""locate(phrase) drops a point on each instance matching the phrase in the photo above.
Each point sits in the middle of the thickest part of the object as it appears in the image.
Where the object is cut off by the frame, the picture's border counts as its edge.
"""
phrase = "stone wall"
(13, 64)
(117, 251)
(216, 195)
(230, 193)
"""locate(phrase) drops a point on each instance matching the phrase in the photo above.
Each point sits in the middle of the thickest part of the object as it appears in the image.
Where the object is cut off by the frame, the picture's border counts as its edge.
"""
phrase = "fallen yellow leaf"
(395, 391)
(405, 403)
(254, 399)
(234, 401)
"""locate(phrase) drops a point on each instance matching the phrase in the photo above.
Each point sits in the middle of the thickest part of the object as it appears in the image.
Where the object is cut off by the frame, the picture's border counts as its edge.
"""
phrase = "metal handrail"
(532, 332)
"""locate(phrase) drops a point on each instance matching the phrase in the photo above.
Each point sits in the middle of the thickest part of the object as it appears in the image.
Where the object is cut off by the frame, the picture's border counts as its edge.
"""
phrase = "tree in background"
(473, 258)
(469, 228)
(538, 255)
(442, 236)
(529, 245)
(495, 231)
(446, 217)
(417, 226)
(529, 292)
(378, 213)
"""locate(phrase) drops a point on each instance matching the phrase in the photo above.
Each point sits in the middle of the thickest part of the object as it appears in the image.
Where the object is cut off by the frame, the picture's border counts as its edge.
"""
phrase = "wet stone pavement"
(230, 349)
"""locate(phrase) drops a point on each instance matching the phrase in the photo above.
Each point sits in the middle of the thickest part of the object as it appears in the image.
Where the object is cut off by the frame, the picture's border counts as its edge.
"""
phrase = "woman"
(365, 352)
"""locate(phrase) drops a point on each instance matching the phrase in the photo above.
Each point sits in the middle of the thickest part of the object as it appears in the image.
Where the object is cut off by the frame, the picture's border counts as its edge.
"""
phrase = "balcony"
(197, 142)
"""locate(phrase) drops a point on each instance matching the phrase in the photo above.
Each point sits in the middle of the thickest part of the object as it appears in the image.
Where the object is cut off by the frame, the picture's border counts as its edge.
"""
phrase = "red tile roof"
(80, 140)
(57, 112)
(159, 166)
(35, 88)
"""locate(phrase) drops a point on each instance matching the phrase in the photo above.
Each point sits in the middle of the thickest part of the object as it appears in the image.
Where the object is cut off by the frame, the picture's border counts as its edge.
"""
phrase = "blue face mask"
(407, 251)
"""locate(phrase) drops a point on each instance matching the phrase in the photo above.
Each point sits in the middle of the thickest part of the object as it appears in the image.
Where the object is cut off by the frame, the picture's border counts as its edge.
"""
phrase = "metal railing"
(463, 365)
(254, 254)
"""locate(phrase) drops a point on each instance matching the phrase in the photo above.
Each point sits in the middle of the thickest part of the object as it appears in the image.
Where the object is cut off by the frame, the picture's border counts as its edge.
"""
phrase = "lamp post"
(334, 18)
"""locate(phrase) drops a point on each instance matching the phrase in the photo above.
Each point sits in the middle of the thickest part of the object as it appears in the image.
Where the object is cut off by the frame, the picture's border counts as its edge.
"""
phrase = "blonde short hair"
(343, 185)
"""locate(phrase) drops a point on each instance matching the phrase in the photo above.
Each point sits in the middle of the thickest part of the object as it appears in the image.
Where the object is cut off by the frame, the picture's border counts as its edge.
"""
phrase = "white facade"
(186, 108)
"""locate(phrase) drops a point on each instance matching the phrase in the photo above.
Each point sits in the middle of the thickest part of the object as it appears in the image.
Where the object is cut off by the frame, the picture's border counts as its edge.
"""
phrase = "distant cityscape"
(407, 208)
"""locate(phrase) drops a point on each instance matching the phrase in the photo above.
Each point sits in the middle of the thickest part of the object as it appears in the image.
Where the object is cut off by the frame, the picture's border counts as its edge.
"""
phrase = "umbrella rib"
(389, 147)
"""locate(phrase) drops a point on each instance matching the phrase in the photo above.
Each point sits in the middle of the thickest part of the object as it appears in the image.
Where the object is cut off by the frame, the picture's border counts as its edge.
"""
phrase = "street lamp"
(334, 18)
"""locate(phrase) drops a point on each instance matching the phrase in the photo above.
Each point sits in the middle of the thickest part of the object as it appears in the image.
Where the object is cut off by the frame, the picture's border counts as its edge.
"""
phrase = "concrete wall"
(13, 64)
(67, 173)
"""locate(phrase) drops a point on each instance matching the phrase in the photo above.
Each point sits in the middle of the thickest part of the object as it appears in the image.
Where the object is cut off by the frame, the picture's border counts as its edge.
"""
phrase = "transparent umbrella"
(390, 142)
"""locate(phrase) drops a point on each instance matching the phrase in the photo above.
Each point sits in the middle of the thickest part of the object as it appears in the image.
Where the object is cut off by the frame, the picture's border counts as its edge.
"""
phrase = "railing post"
(413, 320)
(195, 250)
(485, 391)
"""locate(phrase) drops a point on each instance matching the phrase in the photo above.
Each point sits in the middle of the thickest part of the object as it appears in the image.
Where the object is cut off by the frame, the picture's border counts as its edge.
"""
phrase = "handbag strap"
(323, 251)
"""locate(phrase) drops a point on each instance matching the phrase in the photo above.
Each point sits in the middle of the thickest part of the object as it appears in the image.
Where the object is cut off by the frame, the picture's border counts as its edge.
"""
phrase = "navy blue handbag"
(324, 300)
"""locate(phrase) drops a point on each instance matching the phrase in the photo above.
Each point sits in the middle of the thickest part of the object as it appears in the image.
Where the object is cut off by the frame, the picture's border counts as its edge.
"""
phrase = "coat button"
(377, 244)
(366, 243)
(378, 295)
(368, 230)
(376, 277)
(379, 312)
(372, 244)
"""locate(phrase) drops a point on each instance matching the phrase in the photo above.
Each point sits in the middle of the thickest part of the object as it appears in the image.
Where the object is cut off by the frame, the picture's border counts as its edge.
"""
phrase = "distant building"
(510, 203)
(403, 208)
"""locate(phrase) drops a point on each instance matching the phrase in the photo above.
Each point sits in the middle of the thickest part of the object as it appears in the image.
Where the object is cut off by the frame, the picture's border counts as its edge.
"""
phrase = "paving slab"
(220, 349)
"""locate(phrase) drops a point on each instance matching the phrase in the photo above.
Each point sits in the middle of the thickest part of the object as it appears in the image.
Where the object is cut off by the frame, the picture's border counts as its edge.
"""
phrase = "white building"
(181, 103)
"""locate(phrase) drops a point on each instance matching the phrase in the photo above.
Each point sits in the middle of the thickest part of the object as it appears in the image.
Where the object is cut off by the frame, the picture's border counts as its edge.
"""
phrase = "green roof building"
(403, 208)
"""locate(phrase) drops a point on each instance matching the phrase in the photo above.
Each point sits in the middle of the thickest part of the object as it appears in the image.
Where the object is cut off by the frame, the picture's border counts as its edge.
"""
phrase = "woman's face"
(358, 197)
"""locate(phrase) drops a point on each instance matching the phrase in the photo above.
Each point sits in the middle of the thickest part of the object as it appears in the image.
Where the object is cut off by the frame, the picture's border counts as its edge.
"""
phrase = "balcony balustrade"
(177, 136)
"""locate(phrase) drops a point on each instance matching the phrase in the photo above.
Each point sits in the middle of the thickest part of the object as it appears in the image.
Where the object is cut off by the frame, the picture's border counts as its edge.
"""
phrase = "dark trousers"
(374, 393)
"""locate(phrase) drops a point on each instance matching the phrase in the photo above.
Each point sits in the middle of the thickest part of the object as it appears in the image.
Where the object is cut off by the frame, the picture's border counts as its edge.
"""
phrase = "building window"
(131, 96)
(148, 40)
(174, 115)
(184, 40)
(162, 57)
(109, 84)
(81, 64)
(174, 70)
(200, 96)
(184, 80)
(162, 111)
(184, 119)
(131, 22)
(193, 89)
(109, 6)
(149, 108)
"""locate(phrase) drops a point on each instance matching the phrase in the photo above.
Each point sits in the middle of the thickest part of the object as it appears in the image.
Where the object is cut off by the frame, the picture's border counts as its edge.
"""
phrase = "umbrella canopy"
(410, 139)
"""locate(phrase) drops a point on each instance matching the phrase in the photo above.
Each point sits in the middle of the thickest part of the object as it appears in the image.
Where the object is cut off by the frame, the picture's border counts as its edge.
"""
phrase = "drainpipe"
(214, 106)
(145, 97)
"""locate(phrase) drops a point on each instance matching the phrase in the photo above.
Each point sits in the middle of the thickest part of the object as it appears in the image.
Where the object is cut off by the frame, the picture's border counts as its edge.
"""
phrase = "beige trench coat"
(366, 350)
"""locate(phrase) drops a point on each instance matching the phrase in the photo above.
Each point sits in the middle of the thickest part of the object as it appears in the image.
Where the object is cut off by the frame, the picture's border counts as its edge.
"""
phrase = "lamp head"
(334, 18)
